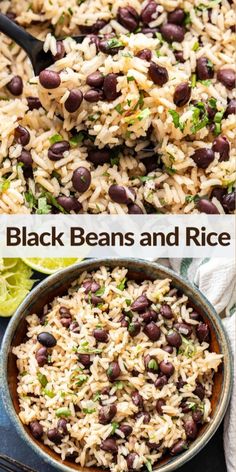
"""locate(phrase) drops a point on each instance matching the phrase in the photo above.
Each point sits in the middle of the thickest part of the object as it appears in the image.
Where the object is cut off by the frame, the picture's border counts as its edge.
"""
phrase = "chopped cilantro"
(193, 80)
(198, 122)
(43, 207)
(205, 82)
(212, 103)
(191, 198)
(48, 393)
(114, 427)
(119, 108)
(121, 286)
(149, 465)
(130, 78)
(218, 116)
(56, 138)
(170, 170)
(96, 396)
(77, 139)
(70, 11)
(146, 178)
(114, 43)
(187, 20)
(63, 411)
(176, 119)
(153, 364)
(128, 302)
(53, 201)
(127, 54)
(100, 291)
(81, 379)
(89, 411)
(42, 379)
(4, 185)
(143, 114)
(195, 46)
(119, 385)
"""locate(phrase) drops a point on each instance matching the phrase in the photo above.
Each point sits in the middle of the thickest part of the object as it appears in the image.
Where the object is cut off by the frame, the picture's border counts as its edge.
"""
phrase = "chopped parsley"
(195, 46)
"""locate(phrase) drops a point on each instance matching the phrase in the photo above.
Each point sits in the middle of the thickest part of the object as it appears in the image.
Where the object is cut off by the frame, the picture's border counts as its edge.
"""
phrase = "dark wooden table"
(210, 459)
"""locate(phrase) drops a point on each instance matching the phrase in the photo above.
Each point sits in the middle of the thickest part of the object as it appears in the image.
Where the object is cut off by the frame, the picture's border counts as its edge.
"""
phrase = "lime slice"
(49, 265)
(15, 284)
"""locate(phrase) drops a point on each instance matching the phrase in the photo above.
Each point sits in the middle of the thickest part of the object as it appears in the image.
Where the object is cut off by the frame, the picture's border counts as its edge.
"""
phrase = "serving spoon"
(33, 47)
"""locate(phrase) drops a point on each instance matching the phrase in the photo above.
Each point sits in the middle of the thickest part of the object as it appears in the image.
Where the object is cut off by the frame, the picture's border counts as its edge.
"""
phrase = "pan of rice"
(116, 365)
(138, 118)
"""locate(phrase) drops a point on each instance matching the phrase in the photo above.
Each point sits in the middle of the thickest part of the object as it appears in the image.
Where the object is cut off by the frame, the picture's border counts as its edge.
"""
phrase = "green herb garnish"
(63, 411)
(48, 393)
(4, 185)
(77, 139)
(42, 379)
(114, 43)
(89, 411)
(81, 379)
(176, 119)
(56, 138)
(121, 286)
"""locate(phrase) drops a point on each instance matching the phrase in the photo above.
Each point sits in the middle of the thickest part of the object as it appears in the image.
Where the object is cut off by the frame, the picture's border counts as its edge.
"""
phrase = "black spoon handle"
(18, 34)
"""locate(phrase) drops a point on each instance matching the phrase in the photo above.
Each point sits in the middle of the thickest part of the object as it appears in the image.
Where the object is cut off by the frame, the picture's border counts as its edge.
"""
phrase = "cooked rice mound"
(151, 142)
(68, 391)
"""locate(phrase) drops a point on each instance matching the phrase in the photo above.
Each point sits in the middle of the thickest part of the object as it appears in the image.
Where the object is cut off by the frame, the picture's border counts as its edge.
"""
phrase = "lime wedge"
(49, 265)
(15, 284)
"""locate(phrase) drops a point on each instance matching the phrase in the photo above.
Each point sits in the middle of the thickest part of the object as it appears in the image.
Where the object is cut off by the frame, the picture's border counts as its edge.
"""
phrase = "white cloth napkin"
(216, 278)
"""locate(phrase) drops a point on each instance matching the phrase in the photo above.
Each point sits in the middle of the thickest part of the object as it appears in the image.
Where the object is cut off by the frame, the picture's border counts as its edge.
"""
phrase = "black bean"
(203, 332)
(124, 321)
(149, 315)
(150, 363)
(84, 359)
(159, 406)
(166, 312)
(93, 95)
(152, 331)
(167, 368)
(203, 157)
(74, 100)
(140, 304)
(120, 194)
(178, 447)
(91, 286)
(150, 32)
(158, 74)
(113, 371)
(161, 381)
(134, 209)
(94, 299)
(171, 33)
(106, 46)
(153, 446)
(69, 203)
(54, 435)
(134, 329)
(105, 391)
(56, 151)
(126, 429)
(95, 80)
(60, 51)
(109, 445)
(98, 156)
(179, 56)
(128, 17)
(221, 145)
(174, 338)
(180, 384)
(110, 87)
(197, 415)
(205, 206)
(149, 13)
(46, 339)
(204, 69)
(81, 179)
(145, 415)
(101, 335)
(41, 356)
(151, 163)
(145, 54)
(228, 201)
(184, 329)
(107, 413)
(190, 428)
(36, 429)
(194, 316)
(74, 327)
(199, 391)
(168, 349)
(49, 79)
(231, 108)
(186, 406)
(33, 103)
(15, 86)
(26, 158)
(66, 322)
(62, 426)
(130, 459)
(97, 26)
(137, 399)
(176, 16)
(227, 77)
(22, 135)
(182, 94)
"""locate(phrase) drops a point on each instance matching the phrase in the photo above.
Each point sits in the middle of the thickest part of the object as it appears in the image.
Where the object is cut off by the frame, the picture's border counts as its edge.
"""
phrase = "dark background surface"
(210, 459)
